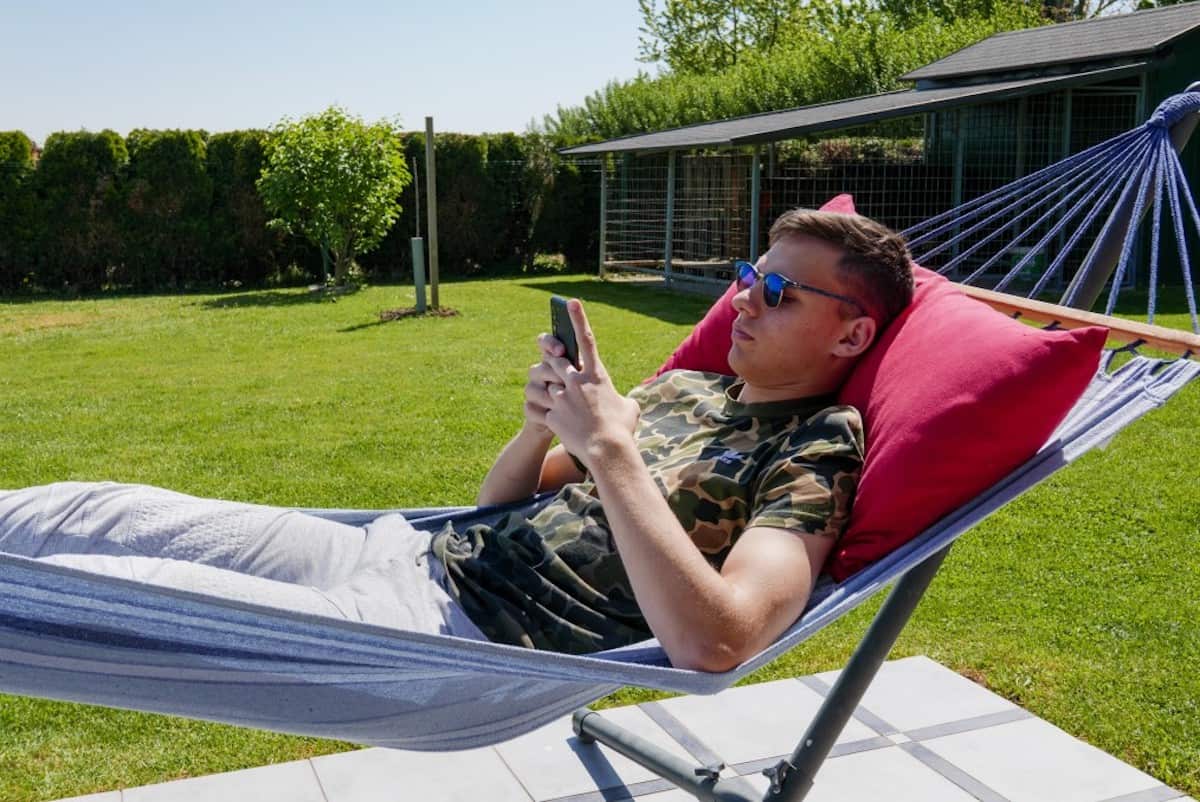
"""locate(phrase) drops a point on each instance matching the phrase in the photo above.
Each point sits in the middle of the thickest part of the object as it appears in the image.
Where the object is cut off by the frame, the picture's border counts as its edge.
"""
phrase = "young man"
(698, 509)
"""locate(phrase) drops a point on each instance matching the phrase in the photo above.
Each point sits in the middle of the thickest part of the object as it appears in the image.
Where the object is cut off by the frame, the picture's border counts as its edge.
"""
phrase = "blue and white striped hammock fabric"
(70, 635)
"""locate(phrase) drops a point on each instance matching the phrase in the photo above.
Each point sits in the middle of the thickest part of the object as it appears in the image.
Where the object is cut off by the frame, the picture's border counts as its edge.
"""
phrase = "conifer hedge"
(176, 210)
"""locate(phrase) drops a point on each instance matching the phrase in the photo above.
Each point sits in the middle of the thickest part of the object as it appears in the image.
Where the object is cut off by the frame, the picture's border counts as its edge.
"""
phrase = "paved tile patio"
(922, 734)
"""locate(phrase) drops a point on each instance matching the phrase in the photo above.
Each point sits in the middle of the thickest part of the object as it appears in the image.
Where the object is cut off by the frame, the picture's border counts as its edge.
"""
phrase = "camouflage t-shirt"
(555, 581)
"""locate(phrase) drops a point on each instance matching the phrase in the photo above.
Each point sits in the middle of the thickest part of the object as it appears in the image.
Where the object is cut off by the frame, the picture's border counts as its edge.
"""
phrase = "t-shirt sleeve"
(810, 486)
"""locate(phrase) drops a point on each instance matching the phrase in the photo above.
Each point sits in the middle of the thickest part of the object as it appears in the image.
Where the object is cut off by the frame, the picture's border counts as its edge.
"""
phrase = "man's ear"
(857, 336)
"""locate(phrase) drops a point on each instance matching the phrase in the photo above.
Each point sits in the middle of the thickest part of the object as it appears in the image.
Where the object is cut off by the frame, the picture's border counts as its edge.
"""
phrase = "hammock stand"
(76, 636)
(1158, 142)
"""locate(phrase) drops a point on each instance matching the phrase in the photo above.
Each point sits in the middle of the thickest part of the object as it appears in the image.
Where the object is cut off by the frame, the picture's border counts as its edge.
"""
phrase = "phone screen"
(561, 328)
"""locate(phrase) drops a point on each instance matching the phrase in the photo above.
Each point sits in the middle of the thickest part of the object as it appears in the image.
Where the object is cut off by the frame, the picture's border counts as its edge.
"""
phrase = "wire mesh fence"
(900, 173)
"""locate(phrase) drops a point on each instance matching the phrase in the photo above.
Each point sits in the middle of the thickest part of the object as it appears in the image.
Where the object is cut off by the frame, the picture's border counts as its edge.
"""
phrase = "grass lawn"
(1078, 601)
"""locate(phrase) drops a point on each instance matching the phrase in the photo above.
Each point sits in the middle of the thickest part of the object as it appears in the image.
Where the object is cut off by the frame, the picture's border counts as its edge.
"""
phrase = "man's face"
(799, 346)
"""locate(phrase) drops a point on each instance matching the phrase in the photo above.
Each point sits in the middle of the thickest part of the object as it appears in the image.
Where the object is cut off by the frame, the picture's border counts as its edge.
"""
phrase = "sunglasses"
(774, 284)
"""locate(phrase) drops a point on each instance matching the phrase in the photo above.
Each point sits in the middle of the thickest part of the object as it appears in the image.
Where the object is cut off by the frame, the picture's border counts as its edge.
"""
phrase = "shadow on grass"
(361, 326)
(256, 298)
(654, 301)
(404, 313)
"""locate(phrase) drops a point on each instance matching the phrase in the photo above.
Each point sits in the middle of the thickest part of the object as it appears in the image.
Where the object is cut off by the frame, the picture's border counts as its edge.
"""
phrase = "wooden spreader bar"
(1172, 341)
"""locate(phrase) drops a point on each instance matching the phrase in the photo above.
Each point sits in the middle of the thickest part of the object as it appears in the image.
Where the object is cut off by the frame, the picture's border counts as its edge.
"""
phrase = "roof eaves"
(1031, 88)
(591, 147)
(984, 90)
(929, 71)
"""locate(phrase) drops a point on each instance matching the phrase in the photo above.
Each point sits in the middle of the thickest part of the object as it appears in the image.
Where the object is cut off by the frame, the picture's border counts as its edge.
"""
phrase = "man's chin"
(737, 359)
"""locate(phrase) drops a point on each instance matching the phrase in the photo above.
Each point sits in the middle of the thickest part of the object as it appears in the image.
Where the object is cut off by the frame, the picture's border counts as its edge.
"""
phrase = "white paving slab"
(755, 721)
(995, 751)
(391, 775)
(872, 776)
(552, 763)
(916, 692)
(283, 782)
(1033, 761)
(880, 774)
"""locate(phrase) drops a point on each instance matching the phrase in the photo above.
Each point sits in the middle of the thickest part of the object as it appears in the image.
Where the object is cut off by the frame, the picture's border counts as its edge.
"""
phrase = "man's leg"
(376, 574)
(137, 520)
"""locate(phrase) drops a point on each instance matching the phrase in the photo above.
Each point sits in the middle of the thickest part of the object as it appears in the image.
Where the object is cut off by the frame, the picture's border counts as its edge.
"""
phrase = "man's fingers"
(560, 367)
(538, 393)
(543, 373)
(589, 357)
(535, 414)
(550, 345)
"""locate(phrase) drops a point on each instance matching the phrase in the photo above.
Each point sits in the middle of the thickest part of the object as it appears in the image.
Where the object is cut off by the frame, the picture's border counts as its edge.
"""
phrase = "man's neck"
(759, 394)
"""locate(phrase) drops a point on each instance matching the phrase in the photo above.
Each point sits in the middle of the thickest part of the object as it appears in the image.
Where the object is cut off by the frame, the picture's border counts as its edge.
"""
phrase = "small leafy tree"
(336, 181)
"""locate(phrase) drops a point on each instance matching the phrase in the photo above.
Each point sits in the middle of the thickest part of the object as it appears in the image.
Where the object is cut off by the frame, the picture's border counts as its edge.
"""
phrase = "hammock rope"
(1139, 170)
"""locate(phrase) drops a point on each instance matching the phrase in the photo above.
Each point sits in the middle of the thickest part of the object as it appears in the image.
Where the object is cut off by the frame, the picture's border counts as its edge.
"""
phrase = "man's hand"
(581, 406)
(542, 377)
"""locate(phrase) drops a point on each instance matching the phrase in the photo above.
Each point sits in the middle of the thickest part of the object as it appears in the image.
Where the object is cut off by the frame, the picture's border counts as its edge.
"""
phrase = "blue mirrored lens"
(746, 275)
(773, 286)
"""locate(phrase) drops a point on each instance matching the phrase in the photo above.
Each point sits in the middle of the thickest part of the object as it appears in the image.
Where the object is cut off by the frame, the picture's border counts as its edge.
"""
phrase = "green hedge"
(502, 198)
(16, 195)
(171, 210)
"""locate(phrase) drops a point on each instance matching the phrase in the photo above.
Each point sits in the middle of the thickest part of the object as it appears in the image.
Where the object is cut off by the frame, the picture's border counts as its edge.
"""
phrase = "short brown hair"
(876, 266)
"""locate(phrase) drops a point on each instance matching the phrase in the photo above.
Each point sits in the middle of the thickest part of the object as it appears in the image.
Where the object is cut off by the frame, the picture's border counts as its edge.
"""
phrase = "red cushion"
(990, 392)
(954, 396)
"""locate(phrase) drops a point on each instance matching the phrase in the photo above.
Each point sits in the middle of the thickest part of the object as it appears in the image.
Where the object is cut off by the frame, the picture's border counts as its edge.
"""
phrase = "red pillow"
(990, 392)
(707, 347)
(954, 396)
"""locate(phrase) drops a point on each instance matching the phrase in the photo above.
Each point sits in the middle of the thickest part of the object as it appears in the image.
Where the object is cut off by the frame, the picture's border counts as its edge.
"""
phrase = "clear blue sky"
(219, 65)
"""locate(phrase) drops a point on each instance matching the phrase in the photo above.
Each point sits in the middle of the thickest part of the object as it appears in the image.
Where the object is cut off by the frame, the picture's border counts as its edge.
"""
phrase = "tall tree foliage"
(336, 181)
(829, 51)
(706, 36)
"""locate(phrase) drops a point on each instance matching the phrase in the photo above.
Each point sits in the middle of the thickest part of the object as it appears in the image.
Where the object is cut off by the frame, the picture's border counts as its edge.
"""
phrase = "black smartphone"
(561, 328)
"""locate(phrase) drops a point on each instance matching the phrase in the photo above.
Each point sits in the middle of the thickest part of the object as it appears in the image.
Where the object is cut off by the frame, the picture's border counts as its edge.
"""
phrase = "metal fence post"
(603, 208)
(670, 233)
(755, 197)
(418, 258)
(431, 205)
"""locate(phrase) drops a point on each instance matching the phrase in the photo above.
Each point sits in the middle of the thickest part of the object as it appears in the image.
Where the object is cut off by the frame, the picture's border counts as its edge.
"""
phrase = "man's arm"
(704, 619)
(525, 467)
(527, 464)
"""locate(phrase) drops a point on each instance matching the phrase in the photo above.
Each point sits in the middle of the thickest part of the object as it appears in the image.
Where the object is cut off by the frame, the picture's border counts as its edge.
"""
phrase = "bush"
(77, 233)
(16, 208)
(168, 195)
(241, 251)
(180, 209)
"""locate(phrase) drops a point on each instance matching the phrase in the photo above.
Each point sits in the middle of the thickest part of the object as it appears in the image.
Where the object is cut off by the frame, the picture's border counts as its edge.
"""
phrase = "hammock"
(71, 635)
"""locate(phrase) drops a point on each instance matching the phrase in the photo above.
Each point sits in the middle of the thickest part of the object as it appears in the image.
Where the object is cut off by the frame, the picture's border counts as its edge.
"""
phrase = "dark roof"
(776, 125)
(1122, 37)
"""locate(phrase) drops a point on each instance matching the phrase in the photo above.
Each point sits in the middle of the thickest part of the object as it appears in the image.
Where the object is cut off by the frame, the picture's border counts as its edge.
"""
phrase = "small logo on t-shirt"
(730, 457)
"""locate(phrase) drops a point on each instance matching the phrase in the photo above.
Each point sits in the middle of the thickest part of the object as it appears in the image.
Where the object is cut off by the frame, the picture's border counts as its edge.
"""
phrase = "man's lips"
(738, 333)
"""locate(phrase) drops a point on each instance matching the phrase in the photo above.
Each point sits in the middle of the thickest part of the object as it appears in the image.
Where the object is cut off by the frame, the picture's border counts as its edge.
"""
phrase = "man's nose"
(744, 301)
